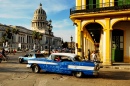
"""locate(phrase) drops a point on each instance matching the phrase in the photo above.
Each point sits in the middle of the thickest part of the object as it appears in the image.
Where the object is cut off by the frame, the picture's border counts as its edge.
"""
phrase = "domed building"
(25, 38)
(39, 22)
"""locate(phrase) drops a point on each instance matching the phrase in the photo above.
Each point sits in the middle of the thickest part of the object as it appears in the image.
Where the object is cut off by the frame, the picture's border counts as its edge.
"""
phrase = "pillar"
(83, 4)
(78, 2)
(107, 44)
(78, 37)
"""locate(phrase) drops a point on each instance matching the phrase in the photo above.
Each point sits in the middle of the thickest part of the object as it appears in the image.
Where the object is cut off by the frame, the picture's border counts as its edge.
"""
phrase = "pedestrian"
(93, 56)
(14, 51)
(89, 54)
(38, 51)
(3, 53)
(1, 56)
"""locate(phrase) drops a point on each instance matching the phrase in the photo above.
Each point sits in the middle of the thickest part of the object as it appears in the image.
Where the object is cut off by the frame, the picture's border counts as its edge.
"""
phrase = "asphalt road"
(14, 74)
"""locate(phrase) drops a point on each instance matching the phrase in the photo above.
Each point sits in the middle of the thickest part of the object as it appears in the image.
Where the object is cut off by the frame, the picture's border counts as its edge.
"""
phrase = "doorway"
(117, 45)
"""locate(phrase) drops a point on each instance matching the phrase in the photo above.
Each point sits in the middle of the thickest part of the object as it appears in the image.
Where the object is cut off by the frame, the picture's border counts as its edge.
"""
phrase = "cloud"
(64, 29)
(62, 23)
(65, 34)
(56, 5)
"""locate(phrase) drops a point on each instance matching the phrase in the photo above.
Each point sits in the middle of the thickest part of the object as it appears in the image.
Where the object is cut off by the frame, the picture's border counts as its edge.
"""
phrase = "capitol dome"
(39, 13)
(39, 22)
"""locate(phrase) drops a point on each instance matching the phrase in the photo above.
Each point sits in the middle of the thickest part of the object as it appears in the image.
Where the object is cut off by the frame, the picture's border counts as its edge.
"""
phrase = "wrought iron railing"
(102, 7)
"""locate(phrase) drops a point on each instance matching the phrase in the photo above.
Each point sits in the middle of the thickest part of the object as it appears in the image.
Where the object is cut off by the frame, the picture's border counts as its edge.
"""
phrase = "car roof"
(66, 54)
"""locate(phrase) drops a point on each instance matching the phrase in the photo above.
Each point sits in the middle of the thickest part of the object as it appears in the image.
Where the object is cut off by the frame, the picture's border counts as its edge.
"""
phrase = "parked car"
(28, 56)
(68, 63)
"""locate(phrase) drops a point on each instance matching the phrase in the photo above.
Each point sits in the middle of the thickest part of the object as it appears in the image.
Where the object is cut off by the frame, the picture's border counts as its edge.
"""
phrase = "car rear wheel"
(20, 60)
(78, 74)
(35, 68)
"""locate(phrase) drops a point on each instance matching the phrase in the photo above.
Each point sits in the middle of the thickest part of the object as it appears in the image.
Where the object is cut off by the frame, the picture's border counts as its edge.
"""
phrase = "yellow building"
(103, 25)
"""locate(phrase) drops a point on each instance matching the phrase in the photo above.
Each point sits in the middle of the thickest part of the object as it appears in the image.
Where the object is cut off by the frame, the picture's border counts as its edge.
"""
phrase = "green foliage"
(65, 45)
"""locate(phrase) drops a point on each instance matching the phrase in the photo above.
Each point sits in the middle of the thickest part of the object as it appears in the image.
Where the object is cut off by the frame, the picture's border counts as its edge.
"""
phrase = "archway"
(95, 30)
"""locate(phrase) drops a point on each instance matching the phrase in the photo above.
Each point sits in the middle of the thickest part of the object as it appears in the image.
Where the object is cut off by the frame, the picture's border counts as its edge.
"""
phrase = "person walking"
(89, 54)
(3, 53)
(94, 56)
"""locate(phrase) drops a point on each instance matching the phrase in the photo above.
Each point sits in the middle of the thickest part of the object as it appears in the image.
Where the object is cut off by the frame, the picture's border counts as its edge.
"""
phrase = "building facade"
(103, 25)
(24, 39)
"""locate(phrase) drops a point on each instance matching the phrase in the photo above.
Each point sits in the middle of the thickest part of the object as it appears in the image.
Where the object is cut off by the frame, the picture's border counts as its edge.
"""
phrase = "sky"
(21, 12)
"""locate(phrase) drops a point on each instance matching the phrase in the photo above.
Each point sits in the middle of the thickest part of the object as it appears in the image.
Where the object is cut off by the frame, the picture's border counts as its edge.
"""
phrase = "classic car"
(64, 63)
(28, 56)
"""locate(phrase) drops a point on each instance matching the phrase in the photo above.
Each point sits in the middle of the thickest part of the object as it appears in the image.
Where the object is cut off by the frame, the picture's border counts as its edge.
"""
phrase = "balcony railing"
(102, 7)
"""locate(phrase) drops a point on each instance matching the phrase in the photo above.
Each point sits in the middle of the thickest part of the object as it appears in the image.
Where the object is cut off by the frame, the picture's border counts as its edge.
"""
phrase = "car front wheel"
(20, 60)
(78, 74)
(35, 68)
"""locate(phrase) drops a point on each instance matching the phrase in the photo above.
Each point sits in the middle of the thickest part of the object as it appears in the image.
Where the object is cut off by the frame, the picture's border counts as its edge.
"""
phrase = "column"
(78, 36)
(83, 4)
(107, 44)
(82, 44)
(112, 4)
(78, 2)
(101, 1)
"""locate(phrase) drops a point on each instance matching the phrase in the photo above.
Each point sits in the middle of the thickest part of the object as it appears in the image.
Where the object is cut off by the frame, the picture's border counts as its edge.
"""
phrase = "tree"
(8, 33)
(37, 36)
(40, 35)
(65, 45)
(15, 31)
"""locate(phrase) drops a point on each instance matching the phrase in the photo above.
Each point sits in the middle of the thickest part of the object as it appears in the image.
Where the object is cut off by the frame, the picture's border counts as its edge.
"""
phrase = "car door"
(64, 65)
(52, 65)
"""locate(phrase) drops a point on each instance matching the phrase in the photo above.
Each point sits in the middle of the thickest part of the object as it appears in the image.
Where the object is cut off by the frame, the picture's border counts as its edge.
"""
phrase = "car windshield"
(77, 58)
(39, 55)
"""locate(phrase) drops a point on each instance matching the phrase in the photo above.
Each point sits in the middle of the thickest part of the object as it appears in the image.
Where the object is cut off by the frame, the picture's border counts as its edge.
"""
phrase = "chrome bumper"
(96, 73)
(28, 66)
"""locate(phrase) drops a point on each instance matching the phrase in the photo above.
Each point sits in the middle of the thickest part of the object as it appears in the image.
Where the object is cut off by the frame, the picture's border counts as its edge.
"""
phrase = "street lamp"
(49, 30)
(71, 43)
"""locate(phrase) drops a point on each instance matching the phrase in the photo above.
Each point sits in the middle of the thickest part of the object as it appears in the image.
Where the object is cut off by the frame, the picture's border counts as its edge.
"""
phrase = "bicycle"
(3, 58)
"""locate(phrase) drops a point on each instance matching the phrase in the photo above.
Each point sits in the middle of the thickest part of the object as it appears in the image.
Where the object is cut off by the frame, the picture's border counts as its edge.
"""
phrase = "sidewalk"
(125, 66)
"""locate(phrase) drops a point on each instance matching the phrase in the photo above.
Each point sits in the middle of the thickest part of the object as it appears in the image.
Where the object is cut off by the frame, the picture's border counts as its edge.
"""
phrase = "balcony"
(100, 8)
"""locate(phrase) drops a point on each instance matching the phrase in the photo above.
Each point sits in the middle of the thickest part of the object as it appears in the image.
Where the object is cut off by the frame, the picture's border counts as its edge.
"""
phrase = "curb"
(118, 67)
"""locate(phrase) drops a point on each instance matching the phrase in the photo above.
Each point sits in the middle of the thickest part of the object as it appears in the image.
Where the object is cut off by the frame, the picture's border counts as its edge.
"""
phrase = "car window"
(30, 55)
(39, 56)
(26, 55)
(66, 58)
(61, 58)
(77, 58)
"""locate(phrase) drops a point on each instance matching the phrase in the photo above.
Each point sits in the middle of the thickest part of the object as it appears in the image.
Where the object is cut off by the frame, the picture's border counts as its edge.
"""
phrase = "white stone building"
(24, 39)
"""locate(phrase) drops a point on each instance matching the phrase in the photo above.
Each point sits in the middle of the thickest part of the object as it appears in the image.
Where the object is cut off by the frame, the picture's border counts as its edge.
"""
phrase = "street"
(13, 73)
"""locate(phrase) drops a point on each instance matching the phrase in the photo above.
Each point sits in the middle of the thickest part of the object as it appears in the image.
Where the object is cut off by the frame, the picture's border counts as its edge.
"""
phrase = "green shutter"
(127, 2)
(97, 3)
(120, 2)
(91, 4)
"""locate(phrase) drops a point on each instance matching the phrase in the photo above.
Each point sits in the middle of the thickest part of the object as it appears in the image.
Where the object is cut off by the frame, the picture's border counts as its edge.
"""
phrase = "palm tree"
(8, 34)
(34, 36)
(37, 36)
(15, 31)
(3, 38)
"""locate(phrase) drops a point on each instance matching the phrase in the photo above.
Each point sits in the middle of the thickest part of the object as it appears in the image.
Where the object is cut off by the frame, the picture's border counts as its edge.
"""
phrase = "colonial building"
(103, 25)
(24, 39)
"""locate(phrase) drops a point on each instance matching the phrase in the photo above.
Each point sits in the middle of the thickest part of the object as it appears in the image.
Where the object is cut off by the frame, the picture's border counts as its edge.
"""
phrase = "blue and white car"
(68, 64)
(29, 56)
